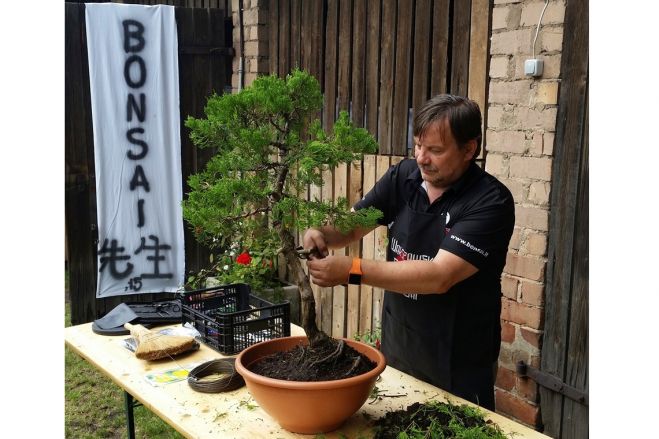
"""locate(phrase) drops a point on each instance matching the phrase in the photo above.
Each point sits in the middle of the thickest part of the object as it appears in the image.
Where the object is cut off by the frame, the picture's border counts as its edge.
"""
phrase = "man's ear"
(470, 149)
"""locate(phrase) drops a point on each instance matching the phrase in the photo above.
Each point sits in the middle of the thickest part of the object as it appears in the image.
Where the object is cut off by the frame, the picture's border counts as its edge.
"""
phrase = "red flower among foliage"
(244, 258)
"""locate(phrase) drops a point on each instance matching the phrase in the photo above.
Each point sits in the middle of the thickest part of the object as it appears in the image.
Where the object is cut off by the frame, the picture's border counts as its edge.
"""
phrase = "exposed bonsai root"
(354, 367)
(300, 358)
(333, 360)
(333, 356)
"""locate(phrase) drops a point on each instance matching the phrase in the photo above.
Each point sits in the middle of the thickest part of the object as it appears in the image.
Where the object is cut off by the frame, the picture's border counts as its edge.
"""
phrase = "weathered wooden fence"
(201, 71)
(378, 59)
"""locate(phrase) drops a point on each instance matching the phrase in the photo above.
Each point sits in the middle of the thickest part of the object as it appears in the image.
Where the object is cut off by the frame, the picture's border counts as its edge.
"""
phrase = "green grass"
(94, 405)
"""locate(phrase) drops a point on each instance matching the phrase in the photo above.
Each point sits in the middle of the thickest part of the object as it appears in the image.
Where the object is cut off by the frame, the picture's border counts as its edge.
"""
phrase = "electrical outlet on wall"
(533, 67)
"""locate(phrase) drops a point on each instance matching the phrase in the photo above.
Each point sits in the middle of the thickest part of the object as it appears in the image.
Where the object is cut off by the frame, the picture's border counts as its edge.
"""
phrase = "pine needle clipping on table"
(154, 346)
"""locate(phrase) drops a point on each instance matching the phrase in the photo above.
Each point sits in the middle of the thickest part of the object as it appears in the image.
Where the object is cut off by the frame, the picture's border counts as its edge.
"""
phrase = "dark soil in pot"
(325, 362)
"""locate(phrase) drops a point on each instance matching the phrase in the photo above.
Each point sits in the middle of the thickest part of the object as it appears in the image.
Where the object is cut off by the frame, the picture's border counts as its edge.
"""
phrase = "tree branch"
(248, 214)
(274, 124)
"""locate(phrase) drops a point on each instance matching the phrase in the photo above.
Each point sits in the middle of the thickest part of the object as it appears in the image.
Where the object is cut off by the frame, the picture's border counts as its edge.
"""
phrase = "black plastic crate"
(230, 318)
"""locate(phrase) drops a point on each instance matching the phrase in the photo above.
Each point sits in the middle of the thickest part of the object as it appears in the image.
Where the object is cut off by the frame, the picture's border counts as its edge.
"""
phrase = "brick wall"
(255, 41)
(520, 135)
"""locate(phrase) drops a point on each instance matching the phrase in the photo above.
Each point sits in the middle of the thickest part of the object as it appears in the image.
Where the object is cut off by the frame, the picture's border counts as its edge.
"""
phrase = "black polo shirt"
(477, 215)
(481, 211)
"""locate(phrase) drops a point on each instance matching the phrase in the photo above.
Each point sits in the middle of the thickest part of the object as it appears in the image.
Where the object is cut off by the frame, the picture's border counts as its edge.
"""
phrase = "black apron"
(418, 330)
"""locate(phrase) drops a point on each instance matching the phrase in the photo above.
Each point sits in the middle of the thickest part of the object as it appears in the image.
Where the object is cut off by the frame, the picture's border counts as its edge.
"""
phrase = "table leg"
(129, 404)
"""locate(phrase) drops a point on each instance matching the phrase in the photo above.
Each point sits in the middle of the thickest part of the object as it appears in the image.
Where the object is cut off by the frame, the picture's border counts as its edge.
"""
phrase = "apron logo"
(400, 254)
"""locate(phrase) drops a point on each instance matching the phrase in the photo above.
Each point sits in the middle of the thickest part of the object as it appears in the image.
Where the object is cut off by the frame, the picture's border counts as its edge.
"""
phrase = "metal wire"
(230, 379)
(537, 29)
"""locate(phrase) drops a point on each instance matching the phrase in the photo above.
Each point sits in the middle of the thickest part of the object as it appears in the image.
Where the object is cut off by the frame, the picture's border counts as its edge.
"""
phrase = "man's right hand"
(314, 238)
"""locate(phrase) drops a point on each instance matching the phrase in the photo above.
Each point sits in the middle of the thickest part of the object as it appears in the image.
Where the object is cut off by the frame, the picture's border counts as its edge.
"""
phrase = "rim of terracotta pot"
(243, 370)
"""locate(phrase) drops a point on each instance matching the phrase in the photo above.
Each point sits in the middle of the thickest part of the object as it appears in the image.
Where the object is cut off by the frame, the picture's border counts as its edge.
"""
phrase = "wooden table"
(236, 414)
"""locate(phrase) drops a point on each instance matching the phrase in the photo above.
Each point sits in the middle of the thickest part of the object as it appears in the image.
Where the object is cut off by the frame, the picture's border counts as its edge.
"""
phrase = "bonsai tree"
(269, 147)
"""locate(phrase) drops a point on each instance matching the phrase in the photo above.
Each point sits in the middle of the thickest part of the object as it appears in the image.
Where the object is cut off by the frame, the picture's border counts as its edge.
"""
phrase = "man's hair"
(463, 116)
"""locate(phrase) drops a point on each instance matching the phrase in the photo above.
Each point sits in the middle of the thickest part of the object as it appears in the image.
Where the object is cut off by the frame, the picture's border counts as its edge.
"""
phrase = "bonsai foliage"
(270, 147)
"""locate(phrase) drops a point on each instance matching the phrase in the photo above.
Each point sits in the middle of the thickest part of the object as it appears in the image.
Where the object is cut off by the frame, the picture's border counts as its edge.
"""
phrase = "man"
(449, 225)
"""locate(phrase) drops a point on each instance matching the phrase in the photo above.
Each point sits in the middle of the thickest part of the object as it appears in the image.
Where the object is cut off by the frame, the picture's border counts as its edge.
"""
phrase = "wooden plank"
(479, 59)
(93, 308)
(354, 194)
(203, 74)
(344, 54)
(422, 54)
(563, 251)
(340, 297)
(273, 32)
(403, 69)
(202, 88)
(358, 62)
(284, 37)
(79, 201)
(331, 41)
(317, 40)
(575, 415)
(387, 56)
(220, 66)
(460, 47)
(478, 52)
(296, 10)
(440, 39)
(380, 248)
(372, 71)
(396, 159)
(185, 25)
(327, 193)
(368, 252)
(306, 27)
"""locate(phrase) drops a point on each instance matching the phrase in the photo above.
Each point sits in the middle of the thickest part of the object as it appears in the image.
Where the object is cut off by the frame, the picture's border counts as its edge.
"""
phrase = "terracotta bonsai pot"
(308, 407)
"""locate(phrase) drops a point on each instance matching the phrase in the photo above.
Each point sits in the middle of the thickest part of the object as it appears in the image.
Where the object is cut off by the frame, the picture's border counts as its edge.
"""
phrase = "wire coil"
(230, 379)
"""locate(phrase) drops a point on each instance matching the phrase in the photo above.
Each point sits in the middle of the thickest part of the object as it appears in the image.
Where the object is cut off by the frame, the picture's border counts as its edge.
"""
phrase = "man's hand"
(314, 238)
(330, 271)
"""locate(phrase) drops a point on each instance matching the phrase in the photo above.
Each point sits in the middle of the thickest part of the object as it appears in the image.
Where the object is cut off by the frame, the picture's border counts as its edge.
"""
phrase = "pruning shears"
(303, 253)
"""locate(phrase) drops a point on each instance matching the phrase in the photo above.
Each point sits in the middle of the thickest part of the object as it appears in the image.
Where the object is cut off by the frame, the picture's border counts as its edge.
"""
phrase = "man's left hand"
(330, 271)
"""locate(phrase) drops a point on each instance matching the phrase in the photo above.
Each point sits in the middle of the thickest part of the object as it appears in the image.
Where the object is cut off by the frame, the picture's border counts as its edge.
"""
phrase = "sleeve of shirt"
(481, 236)
(383, 195)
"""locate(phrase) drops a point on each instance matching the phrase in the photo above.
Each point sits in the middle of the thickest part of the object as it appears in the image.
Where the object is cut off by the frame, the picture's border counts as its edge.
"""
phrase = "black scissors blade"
(306, 253)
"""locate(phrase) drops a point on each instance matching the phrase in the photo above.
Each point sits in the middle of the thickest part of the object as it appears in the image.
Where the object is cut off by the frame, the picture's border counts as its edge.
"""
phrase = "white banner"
(133, 73)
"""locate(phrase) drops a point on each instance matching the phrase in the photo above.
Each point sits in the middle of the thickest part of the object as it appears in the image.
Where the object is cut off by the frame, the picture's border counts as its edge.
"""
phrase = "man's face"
(440, 159)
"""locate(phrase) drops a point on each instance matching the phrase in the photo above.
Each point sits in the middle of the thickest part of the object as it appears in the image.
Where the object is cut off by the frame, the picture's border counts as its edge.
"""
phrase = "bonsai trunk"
(307, 301)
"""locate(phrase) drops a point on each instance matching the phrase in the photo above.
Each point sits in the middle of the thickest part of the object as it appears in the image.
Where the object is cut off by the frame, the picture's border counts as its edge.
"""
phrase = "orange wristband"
(355, 276)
